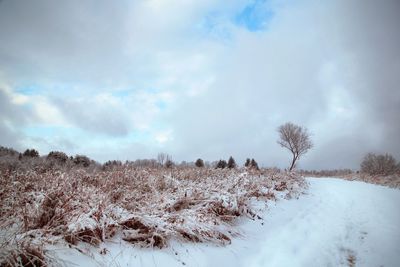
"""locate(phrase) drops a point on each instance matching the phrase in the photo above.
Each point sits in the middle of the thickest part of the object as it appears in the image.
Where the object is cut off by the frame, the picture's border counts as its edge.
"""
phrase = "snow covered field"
(337, 223)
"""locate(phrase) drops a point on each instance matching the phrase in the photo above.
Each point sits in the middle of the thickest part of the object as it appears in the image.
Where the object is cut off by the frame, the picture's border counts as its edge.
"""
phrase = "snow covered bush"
(5, 151)
(147, 207)
(23, 254)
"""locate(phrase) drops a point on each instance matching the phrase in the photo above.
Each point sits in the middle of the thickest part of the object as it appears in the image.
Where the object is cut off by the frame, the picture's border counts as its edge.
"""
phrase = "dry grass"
(351, 260)
(23, 254)
(392, 181)
(144, 206)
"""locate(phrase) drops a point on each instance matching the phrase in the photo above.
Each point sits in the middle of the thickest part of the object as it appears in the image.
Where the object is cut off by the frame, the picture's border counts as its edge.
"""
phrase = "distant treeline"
(10, 159)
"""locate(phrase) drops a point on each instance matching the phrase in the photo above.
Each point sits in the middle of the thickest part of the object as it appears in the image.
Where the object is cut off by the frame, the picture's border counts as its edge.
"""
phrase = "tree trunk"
(293, 162)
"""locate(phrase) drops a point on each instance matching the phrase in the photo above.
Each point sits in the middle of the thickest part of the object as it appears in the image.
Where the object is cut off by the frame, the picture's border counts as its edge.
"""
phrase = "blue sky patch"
(161, 105)
(254, 16)
(214, 25)
(28, 90)
(122, 93)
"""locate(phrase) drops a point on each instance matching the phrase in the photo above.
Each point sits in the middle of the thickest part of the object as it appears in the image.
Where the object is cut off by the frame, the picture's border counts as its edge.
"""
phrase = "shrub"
(169, 163)
(5, 151)
(9, 163)
(329, 173)
(57, 156)
(231, 163)
(82, 160)
(378, 164)
(31, 153)
(24, 254)
(148, 207)
(111, 164)
(199, 163)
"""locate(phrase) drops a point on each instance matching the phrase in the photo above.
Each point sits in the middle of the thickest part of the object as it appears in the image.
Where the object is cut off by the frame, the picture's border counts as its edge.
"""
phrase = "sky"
(201, 79)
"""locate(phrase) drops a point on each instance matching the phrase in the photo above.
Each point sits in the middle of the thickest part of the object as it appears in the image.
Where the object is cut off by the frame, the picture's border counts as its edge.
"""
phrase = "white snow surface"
(336, 220)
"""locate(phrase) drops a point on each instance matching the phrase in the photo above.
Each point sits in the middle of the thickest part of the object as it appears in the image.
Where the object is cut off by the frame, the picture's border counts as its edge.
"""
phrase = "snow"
(337, 223)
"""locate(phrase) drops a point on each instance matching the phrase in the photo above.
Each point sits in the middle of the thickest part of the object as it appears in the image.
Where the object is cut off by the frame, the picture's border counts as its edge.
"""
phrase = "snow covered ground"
(337, 223)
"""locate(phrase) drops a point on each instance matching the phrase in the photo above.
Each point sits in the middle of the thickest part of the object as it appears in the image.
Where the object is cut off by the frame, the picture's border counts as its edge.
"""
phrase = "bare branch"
(296, 139)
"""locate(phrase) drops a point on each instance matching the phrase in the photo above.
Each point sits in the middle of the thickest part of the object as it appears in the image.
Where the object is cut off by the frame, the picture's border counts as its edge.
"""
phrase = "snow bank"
(337, 223)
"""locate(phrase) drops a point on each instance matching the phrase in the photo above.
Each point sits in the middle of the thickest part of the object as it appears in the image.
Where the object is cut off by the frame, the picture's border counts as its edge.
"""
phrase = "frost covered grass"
(392, 181)
(147, 207)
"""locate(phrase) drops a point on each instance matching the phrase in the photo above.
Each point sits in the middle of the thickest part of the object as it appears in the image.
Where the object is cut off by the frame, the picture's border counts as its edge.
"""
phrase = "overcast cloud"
(202, 79)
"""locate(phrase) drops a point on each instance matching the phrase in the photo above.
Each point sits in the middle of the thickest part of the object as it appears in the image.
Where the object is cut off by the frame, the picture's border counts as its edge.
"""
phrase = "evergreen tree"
(58, 156)
(82, 160)
(254, 164)
(247, 163)
(199, 163)
(231, 163)
(221, 164)
(31, 153)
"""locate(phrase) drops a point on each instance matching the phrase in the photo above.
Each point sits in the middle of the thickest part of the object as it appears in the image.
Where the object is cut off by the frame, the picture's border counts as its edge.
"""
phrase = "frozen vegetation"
(336, 223)
(146, 207)
(59, 210)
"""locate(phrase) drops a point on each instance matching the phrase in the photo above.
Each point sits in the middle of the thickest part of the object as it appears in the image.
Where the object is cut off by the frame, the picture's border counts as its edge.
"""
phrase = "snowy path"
(337, 223)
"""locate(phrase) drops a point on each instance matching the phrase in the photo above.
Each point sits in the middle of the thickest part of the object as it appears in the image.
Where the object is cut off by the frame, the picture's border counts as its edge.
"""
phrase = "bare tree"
(379, 164)
(296, 139)
(165, 159)
(161, 158)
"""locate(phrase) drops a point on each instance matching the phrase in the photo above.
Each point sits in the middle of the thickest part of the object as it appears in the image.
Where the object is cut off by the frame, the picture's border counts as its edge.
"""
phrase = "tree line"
(292, 137)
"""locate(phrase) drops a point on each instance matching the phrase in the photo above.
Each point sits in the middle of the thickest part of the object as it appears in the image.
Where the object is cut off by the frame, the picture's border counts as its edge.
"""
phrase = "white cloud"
(163, 136)
(191, 81)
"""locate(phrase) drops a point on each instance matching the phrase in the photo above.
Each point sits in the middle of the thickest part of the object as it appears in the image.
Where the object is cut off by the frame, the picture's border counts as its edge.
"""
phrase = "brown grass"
(24, 254)
(392, 181)
(351, 259)
(145, 206)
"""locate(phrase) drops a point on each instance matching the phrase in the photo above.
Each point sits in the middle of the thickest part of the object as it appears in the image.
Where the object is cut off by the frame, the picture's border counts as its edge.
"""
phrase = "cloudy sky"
(128, 79)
